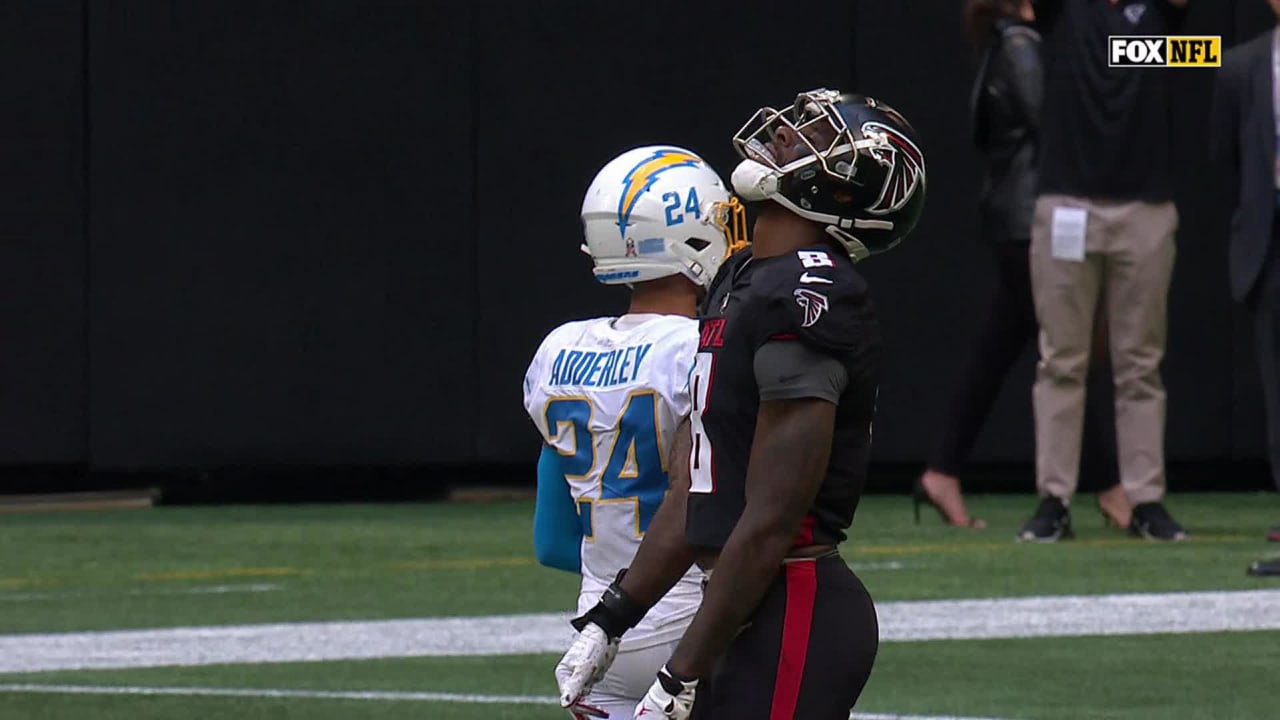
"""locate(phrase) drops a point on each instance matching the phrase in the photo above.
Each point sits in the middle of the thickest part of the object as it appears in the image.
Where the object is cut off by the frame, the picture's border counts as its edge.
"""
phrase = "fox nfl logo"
(1164, 51)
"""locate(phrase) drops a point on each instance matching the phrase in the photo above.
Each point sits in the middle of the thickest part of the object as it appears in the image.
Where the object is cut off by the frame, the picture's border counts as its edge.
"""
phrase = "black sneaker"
(1051, 523)
(1152, 521)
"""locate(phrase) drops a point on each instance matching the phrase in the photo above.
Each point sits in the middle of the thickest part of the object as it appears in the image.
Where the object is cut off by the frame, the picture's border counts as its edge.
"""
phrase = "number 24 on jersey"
(634, 469)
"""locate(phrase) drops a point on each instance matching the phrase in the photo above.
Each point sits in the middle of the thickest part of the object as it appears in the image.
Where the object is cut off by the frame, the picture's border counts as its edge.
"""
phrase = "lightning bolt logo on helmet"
(641, 177)
(813, 304)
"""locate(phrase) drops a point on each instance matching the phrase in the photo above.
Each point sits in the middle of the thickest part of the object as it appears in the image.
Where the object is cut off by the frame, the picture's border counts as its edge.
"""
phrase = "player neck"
(672, 295)
(778, 231)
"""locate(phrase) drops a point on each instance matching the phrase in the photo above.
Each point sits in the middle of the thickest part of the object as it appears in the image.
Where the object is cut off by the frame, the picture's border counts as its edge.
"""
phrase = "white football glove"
(582, 666)
(667, 698)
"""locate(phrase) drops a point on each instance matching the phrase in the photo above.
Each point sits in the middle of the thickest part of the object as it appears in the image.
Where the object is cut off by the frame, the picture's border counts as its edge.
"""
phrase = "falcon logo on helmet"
(846, 161)
(813, 304)
(905, 163)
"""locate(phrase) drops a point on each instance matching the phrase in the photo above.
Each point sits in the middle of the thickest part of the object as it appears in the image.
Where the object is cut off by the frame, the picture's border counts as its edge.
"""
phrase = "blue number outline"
(691, 205)
(673, 203)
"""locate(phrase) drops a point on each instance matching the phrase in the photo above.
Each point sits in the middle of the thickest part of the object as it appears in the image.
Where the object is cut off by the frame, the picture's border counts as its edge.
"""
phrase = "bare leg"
(943, 492)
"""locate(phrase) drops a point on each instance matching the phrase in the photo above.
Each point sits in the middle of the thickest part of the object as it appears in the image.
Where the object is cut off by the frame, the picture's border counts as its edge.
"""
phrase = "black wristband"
(671, 682)
(616, 612)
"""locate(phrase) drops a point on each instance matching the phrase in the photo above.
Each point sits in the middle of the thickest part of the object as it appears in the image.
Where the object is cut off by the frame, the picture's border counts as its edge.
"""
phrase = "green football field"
(341, 611)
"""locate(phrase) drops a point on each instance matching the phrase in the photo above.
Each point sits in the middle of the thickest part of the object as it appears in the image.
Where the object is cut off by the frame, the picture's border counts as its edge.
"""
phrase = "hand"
(582, 666)
(668, 698)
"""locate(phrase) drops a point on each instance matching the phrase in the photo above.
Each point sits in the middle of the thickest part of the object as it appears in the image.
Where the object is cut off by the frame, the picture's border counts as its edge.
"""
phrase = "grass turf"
(96, 571)
(1212, 676)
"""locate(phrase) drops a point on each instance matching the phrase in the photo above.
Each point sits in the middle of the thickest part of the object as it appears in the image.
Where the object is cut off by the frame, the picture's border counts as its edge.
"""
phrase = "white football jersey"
(608, 395)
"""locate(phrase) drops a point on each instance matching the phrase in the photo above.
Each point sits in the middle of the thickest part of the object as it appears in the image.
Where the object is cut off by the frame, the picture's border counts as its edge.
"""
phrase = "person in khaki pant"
(1129, 253)
(1103, 231)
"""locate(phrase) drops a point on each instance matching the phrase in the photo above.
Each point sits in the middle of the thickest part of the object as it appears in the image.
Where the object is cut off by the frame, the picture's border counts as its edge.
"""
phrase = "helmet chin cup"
(754, 181)
(852, 245)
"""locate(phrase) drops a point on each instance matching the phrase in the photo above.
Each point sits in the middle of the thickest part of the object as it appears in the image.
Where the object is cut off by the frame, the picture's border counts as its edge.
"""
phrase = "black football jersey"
(813, 296)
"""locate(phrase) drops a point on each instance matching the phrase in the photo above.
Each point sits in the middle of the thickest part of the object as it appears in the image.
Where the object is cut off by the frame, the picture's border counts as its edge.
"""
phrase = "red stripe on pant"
(802, 588)
(804, 538)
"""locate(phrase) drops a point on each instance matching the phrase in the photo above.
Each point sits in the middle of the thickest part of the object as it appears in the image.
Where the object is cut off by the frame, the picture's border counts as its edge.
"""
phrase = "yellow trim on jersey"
(577, 505)
(634, 500)
(561, 425)
(630, 462)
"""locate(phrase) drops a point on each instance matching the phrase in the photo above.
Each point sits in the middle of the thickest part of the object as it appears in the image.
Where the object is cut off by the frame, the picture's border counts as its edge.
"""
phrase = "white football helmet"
(656, 211)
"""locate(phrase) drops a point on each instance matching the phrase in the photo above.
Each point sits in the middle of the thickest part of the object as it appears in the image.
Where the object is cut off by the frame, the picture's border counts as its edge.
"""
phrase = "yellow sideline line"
(212, 574)
(854, 549)
(24, 582)
(851, 551)
(1191, 539)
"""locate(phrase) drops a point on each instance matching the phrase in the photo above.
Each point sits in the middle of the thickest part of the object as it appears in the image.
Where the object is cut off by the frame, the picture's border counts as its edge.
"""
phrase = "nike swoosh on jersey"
(807, 278)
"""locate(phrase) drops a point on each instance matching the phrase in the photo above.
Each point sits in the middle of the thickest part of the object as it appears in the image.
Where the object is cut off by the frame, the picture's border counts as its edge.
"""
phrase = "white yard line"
(1081, 616)
(200, 590)
(280, 693)
(916, 621)
(889, 565)
(882, 716)
(375, 695)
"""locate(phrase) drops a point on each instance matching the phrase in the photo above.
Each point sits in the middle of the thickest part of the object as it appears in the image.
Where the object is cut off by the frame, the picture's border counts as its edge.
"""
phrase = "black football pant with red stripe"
(806, 652)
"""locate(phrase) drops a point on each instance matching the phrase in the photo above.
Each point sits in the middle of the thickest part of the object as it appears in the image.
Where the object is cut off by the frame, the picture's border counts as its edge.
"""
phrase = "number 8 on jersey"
(701, 468)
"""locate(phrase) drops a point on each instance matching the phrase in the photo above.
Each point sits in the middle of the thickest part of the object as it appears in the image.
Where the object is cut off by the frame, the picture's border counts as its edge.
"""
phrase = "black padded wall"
(333, 232)
(282, 260)
(43, 401)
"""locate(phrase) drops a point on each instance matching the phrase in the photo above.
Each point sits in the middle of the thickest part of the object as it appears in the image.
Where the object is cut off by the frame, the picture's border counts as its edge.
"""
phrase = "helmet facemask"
(816, 121)
(731, 219)
(830, 161)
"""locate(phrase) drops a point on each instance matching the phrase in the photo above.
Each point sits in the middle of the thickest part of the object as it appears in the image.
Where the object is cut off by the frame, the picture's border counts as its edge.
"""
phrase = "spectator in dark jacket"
(1005, 107)
(1246, 135)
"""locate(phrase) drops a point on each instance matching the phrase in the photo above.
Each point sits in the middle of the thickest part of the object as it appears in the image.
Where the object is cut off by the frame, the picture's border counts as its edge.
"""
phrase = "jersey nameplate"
(712, 333)
(593, 369)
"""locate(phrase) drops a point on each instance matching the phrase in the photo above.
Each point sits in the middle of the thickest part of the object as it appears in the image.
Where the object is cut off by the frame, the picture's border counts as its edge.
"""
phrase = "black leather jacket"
(1007, 96)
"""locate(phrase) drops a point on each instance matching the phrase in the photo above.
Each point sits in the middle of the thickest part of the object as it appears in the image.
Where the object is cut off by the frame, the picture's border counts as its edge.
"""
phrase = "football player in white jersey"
(607, 394)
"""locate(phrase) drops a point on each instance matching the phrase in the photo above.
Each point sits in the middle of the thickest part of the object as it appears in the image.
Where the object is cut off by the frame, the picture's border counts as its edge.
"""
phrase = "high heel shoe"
(1110, 520)
(1115, 514)
(920, 496)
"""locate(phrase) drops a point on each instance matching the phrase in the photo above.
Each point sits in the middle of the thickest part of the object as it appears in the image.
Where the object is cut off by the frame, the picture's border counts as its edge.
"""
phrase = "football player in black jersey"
(765, 481)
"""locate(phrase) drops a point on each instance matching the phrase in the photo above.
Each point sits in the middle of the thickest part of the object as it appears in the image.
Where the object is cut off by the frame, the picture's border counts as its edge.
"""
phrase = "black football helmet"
(860, 169)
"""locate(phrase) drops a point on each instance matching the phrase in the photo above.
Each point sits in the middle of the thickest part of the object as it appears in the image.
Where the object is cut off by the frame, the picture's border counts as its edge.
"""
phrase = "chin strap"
(755, 182)
(852, 245)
